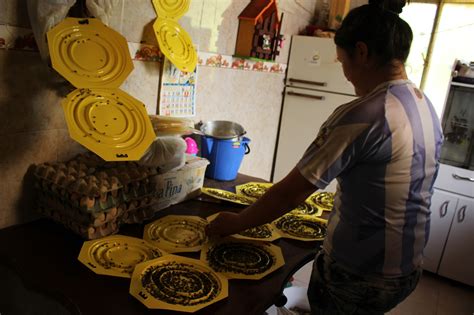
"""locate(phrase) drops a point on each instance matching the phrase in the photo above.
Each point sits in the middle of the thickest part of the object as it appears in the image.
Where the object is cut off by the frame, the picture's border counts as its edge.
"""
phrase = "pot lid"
(89, 54)
(109, 122)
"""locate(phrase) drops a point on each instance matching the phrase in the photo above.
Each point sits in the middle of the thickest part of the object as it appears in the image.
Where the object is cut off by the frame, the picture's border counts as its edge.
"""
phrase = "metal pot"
(222, 129)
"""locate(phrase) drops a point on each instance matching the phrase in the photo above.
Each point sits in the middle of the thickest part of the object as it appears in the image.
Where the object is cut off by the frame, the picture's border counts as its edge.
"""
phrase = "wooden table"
(44, 255)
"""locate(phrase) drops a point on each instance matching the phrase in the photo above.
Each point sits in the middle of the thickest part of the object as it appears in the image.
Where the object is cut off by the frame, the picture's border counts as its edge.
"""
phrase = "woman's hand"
(226, 223)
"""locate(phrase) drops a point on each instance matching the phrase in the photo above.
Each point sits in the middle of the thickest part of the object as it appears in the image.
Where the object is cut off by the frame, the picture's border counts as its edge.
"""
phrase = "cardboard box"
(176, 186)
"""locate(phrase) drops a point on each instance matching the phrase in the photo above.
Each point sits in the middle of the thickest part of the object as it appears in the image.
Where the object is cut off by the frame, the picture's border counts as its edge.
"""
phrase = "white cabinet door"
(443, 206)
(455, 179)
(458, 259)
(313, 64)
(304, 111)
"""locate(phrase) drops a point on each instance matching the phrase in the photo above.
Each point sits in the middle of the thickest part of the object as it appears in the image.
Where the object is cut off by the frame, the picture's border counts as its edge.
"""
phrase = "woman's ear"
(362, 53)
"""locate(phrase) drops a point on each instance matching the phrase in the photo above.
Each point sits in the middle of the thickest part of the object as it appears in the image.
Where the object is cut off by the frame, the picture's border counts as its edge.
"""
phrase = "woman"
(383, 148)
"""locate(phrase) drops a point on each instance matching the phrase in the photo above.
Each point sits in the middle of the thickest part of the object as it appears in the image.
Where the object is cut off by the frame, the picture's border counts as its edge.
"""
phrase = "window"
(443, 31)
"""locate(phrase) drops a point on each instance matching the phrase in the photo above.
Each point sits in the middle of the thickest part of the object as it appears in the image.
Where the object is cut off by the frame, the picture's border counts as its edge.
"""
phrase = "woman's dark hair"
(378, 25)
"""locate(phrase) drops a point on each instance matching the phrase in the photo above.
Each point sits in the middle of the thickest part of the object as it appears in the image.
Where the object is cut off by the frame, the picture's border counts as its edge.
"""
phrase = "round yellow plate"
(175, 44)
(265, 232)
(227, 196)
(242, 259)
(253, 189)
(177, 283)
(117, 255)
(89, 54)
(109, 122)
(171, 9)
(301, 227)
(177, 233)
(322, 199)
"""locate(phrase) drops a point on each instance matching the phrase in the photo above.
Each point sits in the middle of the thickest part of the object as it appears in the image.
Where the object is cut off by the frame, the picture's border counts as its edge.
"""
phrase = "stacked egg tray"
(93, 197)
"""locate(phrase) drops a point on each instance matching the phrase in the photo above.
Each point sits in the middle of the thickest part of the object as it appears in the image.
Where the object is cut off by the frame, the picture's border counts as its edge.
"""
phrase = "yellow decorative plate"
(171, 9)
(307, 208)
(265, 232)
(117, 255)
(253, 189)
(177, 283)
(177, 233)
(322, 199)
(227, 196)
(109, 122)
(299, 227)
(175, 44)
(89, 54)
(242, 259)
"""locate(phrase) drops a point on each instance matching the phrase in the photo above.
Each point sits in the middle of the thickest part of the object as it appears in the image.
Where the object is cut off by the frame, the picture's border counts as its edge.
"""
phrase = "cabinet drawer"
(455, 179)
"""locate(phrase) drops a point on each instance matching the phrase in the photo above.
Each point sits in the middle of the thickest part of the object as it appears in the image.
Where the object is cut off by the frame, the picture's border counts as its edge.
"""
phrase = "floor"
(434, 295)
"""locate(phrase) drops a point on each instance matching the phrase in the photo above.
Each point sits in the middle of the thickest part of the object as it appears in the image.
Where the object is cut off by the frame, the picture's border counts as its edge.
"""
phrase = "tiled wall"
(32, 126)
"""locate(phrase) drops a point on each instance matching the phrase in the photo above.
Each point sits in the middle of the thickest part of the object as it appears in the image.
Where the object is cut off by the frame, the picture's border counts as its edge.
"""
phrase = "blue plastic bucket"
(225, 156)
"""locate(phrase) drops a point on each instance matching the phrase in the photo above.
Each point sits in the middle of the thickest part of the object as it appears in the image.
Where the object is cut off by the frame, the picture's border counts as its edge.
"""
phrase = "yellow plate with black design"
(177, 233)
(265, 232)
(109, 122)
(227, 196)
(253, 189)
(301, 227)
(322, 199)
(117, 255)
(177, 283)
(171, 9)
(175, 44)
(89, 54)
(307, 208)
(242, 259)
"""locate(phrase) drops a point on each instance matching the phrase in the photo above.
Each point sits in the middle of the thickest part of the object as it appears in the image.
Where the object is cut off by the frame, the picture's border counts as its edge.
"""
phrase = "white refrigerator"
(314, 87)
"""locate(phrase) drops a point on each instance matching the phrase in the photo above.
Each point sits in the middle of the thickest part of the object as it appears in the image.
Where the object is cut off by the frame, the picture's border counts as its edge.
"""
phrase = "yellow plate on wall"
(177, 233)
(175, 44)
(253, 189)
(227, 196)
(300, 227)
(265, 232)
(117, 255)
(171, 9)
(109, 122)
(177, 283)
(242, 259)
(89, 54)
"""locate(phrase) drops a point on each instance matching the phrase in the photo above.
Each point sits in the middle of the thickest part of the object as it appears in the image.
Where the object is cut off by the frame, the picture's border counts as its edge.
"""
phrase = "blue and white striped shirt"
(383, 149)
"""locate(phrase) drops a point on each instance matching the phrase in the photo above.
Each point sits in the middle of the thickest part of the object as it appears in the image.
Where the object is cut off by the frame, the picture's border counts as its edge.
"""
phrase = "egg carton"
(138, 211)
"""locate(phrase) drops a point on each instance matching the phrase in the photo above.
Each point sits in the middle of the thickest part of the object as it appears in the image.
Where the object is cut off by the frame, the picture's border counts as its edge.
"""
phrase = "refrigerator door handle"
(317, 97)
(291, 80)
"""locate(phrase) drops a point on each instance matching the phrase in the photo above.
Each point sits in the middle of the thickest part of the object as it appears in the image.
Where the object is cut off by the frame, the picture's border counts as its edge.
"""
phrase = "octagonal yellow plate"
(171, 9)
(307, 208)
(177, 233)
(227, 196)
(177, 283)
(265, 232)
(89, 54)
(253, 189)
(117, 255)
(322, 199)
(109, 122)
(175, 44)
(301, 227)
(242, 259)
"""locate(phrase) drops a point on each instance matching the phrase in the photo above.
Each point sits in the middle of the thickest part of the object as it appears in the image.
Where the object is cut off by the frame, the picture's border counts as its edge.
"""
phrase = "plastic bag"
(165, 153)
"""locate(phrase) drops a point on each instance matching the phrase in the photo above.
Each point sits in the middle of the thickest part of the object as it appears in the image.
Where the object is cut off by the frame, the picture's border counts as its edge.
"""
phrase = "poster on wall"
(177, 92)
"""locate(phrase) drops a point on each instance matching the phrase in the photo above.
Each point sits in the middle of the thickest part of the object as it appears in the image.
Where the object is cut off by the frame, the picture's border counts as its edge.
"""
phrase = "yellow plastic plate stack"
(175, 43)
(100, 116)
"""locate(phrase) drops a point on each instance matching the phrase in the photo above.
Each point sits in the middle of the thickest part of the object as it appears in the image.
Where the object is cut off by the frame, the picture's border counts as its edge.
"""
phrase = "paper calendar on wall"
(178, 91)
